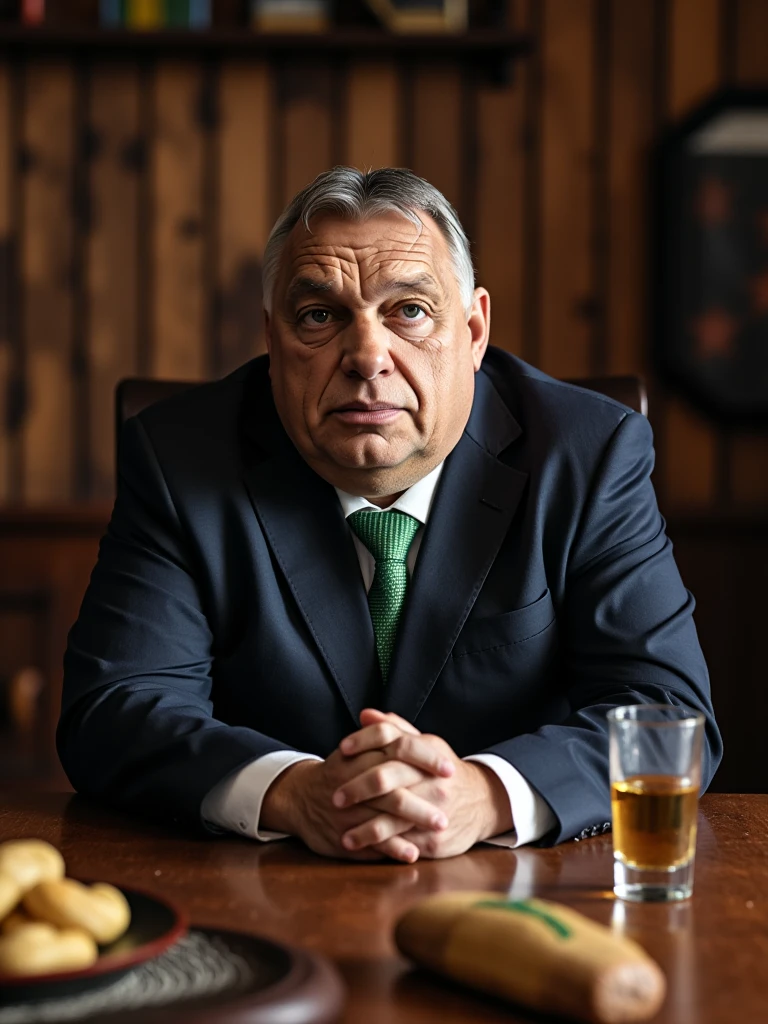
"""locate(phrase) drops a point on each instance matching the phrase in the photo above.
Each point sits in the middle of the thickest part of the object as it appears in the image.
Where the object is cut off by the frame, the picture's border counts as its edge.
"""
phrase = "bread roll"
(541, 954)
(100, 909)
(41, 949)
(10, 894)
(30, 861)
(14, 920)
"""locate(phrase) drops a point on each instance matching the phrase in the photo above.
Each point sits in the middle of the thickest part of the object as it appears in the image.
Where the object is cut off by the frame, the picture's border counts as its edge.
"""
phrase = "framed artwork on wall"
(710, 257)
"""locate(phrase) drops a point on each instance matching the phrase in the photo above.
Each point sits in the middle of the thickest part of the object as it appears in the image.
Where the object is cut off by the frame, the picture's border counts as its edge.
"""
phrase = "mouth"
(367, 412)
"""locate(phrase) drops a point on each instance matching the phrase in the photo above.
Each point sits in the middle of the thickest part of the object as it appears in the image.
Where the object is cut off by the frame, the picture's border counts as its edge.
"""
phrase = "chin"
(370, 453)
(374, 477)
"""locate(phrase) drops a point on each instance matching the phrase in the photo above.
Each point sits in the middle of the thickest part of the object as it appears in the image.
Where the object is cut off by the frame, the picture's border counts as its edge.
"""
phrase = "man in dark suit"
(379, 589)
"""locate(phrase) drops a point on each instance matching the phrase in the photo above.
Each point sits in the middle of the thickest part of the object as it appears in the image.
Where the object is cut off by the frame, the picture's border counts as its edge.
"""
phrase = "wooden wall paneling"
(112, 256)
(6, 249)
(630, 88)
(372, 115)
(180, 294)
(504, 138)
(725, 563)
(245, 217)
(749, 453)
(435, 131)
(308, 127)
(749, 470)
(145, 276)
(47, 277)
(567, 299)
(690, 445)
(48, 555)
(751, 39)
(81, 222)
(25, 671)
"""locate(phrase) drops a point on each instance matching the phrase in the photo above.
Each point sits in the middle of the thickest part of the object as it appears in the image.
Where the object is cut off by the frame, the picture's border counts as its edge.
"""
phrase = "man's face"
(372, 355)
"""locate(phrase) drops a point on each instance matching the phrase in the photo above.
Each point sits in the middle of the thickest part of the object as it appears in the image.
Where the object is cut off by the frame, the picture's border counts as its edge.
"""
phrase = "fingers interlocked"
(412, 759)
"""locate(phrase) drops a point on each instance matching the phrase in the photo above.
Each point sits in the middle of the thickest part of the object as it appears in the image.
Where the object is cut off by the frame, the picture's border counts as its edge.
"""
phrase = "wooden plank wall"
(136, 199)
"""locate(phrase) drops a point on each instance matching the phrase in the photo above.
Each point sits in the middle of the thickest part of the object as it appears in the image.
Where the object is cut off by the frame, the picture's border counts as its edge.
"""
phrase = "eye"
(316, 317)
(412, 311)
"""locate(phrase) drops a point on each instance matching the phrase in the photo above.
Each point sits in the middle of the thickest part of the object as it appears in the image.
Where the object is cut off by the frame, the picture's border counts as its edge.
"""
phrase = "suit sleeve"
(137, 726)
(628, 637)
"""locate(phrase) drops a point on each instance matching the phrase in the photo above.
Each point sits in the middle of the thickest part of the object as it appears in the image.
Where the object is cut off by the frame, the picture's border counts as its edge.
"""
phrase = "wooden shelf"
(493, 49)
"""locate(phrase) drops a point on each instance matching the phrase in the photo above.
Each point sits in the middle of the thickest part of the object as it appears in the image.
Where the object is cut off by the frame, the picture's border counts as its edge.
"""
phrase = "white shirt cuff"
(235, 802)
(531, 814)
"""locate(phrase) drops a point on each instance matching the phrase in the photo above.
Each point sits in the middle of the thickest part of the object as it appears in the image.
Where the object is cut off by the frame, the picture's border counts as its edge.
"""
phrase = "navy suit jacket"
(227, 618)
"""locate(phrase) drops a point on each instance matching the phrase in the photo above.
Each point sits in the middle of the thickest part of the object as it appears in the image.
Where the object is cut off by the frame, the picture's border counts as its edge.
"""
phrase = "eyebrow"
(308, 286)
(423, 281)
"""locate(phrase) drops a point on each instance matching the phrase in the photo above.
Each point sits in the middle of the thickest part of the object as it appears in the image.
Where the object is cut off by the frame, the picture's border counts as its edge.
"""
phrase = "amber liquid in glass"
(654, 821)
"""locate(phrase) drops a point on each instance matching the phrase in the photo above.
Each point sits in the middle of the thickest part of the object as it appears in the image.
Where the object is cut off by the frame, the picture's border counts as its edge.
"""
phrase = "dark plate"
(155, 925)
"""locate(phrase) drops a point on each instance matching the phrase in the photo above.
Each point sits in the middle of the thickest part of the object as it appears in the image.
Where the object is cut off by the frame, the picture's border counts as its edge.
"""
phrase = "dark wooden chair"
(135, 393)
(629, 390)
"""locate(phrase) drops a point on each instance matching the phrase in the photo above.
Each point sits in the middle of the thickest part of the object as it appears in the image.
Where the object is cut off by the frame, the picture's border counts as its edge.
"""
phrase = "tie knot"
(387, 535)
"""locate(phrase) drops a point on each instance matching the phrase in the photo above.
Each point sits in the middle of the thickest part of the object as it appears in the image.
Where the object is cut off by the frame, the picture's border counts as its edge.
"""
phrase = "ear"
(479, 324)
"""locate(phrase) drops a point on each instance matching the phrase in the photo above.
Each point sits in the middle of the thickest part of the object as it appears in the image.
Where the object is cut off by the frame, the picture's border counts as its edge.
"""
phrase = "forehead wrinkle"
(392, 259)
(329, 267)
(402, 272)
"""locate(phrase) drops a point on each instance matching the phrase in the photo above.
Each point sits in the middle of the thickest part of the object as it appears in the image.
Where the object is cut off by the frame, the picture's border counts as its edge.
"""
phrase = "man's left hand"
(473, 799)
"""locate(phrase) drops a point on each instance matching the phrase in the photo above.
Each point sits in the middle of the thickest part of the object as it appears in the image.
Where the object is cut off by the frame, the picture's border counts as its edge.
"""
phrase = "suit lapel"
(474, 506)
(304, 526)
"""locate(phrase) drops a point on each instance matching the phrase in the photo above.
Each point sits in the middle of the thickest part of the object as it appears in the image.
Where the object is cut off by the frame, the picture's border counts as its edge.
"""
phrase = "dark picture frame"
(710, 257)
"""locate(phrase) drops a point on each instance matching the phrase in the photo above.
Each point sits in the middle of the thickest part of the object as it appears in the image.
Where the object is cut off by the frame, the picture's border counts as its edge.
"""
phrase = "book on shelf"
(154, 14)
(144, 14)
(291, 15)
(111, 13)
(200, 14)
(32, 12)
(419, 16)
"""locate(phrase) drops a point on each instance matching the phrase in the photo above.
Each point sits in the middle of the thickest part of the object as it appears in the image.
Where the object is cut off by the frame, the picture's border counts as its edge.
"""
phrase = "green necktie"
(387, 535)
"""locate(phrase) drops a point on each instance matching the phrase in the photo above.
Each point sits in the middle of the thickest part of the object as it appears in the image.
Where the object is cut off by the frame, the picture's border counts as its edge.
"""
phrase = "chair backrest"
(628, 390)
(136, 393)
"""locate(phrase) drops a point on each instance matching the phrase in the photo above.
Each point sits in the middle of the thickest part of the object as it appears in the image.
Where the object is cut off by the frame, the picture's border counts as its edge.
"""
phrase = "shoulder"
(555, 411)
(521, 384)
(200, 426)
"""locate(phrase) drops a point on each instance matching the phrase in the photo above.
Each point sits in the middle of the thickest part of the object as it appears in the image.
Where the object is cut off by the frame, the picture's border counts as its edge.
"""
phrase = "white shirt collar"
(416, 501)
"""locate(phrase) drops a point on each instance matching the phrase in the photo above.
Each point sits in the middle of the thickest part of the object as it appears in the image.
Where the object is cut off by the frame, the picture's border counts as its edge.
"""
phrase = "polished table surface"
(713, 948)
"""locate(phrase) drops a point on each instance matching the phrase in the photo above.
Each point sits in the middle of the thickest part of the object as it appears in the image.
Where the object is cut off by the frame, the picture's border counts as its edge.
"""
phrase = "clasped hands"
(388, 791)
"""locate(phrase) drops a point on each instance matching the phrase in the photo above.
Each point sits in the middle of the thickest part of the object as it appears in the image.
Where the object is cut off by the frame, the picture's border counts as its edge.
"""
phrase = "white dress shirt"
(235, 803)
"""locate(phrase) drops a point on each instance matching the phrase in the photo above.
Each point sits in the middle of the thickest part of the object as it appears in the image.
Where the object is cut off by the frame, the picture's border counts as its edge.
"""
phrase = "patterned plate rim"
(118, 961)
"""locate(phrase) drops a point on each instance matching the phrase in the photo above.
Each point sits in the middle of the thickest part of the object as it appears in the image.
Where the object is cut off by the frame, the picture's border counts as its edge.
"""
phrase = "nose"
(366, 349)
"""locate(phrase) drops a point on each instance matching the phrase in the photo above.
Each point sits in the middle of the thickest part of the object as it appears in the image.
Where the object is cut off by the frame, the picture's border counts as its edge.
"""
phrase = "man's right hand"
(300, 803)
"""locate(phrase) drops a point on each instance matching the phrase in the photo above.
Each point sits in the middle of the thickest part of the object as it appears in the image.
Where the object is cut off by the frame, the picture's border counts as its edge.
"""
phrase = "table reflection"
(666, 930)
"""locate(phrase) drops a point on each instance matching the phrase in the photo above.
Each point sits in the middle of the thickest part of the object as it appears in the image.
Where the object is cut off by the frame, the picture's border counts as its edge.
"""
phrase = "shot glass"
(655, 766)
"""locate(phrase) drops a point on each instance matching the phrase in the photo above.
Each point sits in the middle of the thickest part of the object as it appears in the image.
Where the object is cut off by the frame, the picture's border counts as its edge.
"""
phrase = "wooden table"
(713, 948)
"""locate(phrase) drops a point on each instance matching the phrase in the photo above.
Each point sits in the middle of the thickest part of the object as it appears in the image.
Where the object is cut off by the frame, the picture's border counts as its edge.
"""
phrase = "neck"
(384, 502)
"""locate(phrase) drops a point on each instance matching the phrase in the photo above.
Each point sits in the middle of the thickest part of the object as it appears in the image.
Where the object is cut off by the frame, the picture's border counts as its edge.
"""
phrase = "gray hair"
(357, 195)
